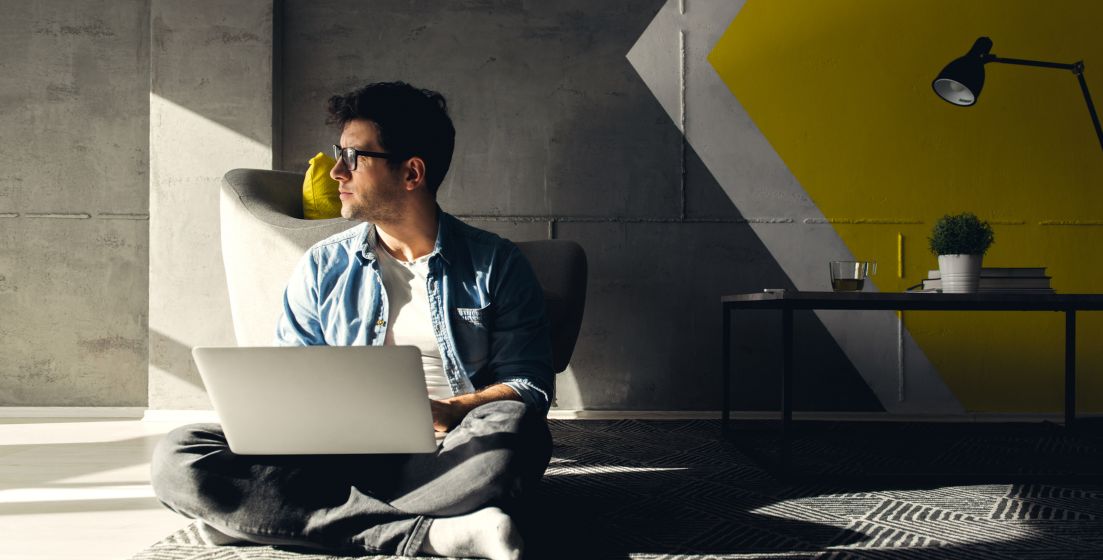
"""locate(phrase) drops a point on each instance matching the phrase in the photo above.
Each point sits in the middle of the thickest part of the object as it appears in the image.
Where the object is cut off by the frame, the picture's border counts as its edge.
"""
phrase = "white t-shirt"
(409, 320)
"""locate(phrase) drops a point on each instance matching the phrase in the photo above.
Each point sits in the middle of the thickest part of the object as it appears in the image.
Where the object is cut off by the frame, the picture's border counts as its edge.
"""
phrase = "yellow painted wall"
(841, 89)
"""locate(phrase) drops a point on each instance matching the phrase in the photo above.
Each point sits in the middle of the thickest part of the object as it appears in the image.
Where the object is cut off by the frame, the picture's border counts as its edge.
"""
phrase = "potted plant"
(960, 241)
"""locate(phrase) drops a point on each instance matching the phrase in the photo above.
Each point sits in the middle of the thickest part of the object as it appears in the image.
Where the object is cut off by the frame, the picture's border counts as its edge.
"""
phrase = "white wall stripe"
(72, 411)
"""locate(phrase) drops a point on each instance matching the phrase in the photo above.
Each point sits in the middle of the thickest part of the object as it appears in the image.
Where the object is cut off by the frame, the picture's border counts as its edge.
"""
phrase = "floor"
(671, 489)
(79, 488)
(645, 489)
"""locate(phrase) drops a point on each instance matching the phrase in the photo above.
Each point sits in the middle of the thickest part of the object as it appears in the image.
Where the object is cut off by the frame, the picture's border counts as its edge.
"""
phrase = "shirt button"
(380, 323)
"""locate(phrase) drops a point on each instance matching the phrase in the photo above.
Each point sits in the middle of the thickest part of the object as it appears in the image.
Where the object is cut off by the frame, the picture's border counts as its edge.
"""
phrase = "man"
(410, 274)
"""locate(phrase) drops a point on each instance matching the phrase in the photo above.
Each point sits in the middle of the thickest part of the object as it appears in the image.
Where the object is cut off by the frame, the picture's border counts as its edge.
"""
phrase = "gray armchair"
(264, 235)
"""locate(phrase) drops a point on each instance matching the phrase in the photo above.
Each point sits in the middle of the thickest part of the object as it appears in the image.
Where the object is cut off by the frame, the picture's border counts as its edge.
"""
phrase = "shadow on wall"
(556, 131)
(173, 357)
(210, 111)
(223, 93)
(651, 336)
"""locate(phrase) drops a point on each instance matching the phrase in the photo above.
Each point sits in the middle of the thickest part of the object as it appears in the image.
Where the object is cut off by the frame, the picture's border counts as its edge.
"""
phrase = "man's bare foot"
(486, 533)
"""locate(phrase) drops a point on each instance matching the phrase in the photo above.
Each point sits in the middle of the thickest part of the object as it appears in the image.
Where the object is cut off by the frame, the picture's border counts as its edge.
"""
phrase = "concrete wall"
(603, 122)
(99, 133)
(73, 202)
(556, 132)
(210, 111)
(558, 136)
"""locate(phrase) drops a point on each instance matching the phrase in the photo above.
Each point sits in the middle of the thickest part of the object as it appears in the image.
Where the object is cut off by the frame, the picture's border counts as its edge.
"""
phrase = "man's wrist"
(491, 393)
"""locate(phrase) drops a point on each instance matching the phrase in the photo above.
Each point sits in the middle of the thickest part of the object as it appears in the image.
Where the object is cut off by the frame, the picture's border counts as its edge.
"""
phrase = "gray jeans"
(358, 504)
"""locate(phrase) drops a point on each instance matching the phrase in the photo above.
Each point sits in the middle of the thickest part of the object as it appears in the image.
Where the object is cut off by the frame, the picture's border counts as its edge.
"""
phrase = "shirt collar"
(367, 251)
(445, 239)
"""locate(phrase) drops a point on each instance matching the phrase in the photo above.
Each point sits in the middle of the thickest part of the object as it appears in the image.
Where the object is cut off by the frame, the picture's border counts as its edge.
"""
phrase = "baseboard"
(564, 414)
(557, 414)
(198, 416)
(72, 411)
(180, 416)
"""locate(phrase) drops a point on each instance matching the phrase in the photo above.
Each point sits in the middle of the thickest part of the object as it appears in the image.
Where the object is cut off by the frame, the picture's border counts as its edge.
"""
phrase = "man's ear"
(415, 173)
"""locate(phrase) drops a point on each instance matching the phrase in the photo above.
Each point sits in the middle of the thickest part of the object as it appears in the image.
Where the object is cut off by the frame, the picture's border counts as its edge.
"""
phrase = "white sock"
(486, 533)
(210, 535)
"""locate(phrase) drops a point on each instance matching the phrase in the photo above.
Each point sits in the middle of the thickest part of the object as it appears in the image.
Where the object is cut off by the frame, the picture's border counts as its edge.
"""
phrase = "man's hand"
(446, 414)
(449, 412)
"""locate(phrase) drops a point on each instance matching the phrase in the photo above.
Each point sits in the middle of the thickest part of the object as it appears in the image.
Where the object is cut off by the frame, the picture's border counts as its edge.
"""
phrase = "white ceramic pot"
(960, 273)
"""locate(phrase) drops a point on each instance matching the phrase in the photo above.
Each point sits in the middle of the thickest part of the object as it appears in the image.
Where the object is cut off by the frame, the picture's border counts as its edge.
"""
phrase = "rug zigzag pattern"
(672, 490)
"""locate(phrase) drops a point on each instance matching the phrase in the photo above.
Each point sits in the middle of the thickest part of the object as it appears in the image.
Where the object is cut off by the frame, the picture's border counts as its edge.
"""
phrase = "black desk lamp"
(960, 81)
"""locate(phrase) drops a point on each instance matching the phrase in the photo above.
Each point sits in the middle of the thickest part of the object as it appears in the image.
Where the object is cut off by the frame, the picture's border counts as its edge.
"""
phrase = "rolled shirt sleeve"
(520, 338)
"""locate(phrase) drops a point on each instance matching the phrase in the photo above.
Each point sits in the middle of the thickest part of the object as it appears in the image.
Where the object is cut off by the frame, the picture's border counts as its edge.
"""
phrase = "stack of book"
(997, 280)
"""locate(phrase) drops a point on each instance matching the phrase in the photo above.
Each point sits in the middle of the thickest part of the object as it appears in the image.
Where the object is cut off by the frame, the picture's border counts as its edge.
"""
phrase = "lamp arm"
(1038, 63)
(1091, 106)
(1076, 68)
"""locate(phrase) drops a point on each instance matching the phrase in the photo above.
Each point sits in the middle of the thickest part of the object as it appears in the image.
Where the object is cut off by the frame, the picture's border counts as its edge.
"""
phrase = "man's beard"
(381, 207)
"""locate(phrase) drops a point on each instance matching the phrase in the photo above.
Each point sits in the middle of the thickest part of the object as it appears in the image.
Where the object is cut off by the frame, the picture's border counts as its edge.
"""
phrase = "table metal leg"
(1070, 367)
(786, 370)
(726, 371)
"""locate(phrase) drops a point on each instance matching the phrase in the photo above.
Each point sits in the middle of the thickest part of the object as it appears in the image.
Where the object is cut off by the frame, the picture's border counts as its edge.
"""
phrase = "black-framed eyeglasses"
(350, 155)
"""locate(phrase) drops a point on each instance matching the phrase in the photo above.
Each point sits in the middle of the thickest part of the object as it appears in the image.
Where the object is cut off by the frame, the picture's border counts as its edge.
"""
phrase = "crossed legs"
(367, 504)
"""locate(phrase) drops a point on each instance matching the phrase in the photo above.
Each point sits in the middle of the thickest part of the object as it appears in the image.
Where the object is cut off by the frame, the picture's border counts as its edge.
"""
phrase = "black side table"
(787, 302)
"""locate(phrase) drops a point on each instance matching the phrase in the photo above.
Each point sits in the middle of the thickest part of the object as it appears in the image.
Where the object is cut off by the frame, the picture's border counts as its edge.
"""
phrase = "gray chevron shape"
(671, 58)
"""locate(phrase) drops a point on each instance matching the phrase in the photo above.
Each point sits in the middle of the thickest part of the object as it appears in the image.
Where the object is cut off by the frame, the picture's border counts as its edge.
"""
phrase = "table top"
(995, 301)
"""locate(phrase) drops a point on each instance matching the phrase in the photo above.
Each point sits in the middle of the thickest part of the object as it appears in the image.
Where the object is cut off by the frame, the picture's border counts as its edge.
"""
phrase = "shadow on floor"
(673, 489)
(632, 488)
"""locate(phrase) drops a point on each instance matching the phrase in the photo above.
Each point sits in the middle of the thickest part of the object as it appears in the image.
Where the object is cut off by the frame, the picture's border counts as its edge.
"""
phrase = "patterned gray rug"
(670, 489)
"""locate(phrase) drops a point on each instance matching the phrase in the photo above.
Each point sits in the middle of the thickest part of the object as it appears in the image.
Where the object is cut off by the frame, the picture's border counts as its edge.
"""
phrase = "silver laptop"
(319, 399)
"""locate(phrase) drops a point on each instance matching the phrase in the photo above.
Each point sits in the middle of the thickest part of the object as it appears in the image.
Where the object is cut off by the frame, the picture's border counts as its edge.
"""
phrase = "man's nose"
(339, 172)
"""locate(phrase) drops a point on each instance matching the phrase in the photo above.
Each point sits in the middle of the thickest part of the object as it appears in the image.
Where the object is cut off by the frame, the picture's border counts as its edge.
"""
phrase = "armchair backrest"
(560, 267)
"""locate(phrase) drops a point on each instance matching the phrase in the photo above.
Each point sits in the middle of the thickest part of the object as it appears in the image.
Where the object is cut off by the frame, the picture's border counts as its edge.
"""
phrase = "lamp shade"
(960, 81)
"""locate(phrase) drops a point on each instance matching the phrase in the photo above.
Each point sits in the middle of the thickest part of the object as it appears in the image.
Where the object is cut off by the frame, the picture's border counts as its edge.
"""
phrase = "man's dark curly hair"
(410, 122)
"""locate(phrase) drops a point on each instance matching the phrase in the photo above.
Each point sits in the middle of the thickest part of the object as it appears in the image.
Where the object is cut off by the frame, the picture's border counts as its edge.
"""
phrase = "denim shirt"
(486, 306)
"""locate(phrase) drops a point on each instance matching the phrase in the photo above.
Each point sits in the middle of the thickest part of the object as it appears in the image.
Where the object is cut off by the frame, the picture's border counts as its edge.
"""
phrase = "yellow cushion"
(320, 197)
